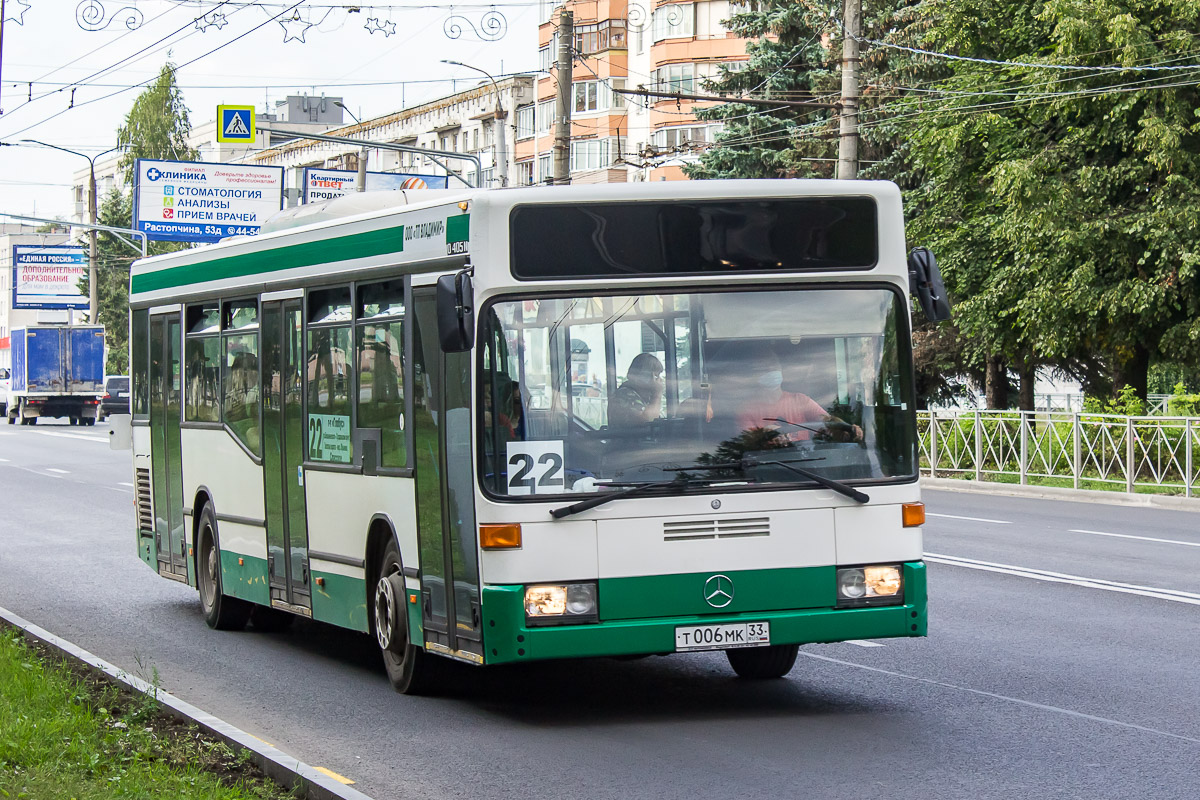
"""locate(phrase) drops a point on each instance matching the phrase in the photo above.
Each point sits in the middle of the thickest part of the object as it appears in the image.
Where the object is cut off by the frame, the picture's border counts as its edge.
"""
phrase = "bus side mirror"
(456, 312)
(925, 283)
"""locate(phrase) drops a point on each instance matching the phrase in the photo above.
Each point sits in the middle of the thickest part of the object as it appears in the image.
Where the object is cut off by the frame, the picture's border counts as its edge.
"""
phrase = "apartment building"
(670, 48)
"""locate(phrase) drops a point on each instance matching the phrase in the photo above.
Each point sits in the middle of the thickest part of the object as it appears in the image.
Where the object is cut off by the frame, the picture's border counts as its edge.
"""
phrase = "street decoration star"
(15, 13)
(387, 27)
(211, 20)
(294, 28)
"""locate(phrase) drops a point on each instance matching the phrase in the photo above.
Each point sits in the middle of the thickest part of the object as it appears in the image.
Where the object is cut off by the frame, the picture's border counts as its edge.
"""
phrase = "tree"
(156, 127)
(791, 58)
(1062, 202)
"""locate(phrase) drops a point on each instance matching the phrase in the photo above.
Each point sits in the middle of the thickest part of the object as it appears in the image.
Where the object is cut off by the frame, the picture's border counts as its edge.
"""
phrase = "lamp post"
(501, 145)
(360, 185)
(93, 307)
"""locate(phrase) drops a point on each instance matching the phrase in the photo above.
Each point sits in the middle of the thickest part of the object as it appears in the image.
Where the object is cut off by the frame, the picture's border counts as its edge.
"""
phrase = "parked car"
(4, 382)
(116, 395)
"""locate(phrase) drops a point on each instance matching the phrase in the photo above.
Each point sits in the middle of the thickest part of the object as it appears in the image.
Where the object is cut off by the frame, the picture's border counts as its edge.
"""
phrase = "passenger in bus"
(639, 398)
(795, 415)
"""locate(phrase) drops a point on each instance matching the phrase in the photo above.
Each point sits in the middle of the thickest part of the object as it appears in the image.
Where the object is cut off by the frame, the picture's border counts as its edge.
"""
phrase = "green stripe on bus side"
(752, 590)
(507, 639)
(342, 601)
(306, 254)
(247, 580)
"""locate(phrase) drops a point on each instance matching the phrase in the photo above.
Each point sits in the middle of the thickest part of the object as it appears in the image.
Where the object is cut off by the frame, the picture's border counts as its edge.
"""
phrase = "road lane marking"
(73, 436)
(1016, 700)
(4, 459)
(970, 519)
(1139, 538)
(1173, 595)
(863, 643)
(130, 485)
(59, 471)
(342, 779)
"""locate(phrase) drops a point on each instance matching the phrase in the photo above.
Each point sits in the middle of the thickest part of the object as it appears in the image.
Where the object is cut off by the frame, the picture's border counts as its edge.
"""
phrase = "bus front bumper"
(507, 639)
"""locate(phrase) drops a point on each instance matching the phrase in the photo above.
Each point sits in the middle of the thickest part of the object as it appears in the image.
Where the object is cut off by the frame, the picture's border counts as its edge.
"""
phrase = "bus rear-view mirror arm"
(456, 312)
(925, 283)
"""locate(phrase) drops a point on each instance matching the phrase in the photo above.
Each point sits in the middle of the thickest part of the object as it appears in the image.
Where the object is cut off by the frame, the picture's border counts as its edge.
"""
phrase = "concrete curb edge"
(281, 767)
(1058, 493)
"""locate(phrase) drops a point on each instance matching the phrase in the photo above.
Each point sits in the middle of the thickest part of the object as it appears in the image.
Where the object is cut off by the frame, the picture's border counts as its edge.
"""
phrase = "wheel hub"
(389, 625)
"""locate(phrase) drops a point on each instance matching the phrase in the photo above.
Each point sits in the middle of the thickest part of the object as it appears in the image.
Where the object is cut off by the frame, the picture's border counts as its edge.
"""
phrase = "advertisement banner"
(328, 184)
(47, 276)
(190, 201)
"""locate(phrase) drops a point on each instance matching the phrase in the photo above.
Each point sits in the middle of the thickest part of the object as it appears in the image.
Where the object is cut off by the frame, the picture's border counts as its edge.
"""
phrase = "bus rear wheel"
(408, 667)
(759, 663)
(221, 612)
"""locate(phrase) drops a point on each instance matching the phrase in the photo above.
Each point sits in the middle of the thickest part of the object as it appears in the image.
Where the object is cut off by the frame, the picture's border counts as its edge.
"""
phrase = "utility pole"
(562, 106)
(847, 168)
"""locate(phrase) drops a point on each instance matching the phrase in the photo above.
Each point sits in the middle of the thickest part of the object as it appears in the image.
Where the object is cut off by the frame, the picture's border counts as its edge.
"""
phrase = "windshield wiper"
(592, 502)
(828, 483)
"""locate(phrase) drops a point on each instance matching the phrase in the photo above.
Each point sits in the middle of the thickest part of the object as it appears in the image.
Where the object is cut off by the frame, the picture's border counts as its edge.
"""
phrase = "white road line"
(130, 485)
(970, 519)
(1015, 700)
(1076, 580)
(863, 643)
(4, 459)
(1139, 538)
(73, 436)
(59, 471)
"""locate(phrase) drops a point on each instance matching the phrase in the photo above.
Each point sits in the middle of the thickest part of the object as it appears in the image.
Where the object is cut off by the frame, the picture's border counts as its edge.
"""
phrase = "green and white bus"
(559, 422)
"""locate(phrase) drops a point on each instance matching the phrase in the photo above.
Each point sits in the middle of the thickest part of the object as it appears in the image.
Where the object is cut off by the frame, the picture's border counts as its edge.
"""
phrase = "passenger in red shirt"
(796, 416)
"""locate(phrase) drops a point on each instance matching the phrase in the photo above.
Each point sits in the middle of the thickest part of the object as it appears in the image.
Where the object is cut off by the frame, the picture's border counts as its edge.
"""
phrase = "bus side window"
(379, 345)
(329, 372)
(240, 406)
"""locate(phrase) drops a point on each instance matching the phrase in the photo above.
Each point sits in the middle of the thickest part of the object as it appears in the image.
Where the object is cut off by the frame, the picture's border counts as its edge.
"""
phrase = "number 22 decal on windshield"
(535, 468)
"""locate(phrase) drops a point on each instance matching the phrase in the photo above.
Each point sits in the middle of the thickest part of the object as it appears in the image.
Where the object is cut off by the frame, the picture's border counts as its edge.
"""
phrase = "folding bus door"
(166, 451)
(445, 490)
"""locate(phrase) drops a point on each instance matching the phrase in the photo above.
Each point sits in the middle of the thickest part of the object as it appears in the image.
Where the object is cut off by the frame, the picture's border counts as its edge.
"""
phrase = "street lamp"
(94, 310)
(501, 146)
(361, 183)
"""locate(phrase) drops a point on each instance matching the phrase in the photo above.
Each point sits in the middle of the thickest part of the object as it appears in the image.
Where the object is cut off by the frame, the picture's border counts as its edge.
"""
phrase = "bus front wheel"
(221, 612)
(408, 666)
(773, 661)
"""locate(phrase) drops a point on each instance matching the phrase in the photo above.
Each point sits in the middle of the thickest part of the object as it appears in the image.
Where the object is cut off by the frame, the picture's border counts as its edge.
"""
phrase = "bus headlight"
(870, 586)
(560, 604)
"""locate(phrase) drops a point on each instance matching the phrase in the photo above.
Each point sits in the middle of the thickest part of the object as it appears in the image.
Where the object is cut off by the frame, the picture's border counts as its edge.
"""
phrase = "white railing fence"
(1085, 451)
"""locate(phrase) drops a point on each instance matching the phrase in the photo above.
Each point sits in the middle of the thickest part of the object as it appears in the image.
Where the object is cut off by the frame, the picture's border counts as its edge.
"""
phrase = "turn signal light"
(914, 514)
(500, 537)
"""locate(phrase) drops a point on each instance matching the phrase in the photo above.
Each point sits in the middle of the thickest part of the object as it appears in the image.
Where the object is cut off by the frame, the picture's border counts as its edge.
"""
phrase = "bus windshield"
(597, 393)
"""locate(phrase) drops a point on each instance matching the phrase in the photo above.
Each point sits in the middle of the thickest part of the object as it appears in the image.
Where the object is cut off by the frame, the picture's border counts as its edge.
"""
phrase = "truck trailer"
(57, 371)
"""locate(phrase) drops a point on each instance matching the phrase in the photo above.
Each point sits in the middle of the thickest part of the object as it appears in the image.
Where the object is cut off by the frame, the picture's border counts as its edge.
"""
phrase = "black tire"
(409, 668)
(270, 620)
(221, 612)
(91, 421)
(760, 663)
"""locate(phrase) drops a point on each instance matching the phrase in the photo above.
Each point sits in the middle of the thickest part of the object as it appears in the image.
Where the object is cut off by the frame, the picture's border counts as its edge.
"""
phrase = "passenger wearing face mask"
(768, 403)
(639, 399)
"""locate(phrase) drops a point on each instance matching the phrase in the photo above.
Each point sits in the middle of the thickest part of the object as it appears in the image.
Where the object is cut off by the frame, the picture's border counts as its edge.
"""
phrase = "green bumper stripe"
(341, 601)
(752, 590)
(247, 580)
(506, 639)
(307, 254)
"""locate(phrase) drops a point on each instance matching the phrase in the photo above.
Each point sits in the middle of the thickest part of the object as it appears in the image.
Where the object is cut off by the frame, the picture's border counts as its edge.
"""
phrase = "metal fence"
(1088, 451)
(1062, 401)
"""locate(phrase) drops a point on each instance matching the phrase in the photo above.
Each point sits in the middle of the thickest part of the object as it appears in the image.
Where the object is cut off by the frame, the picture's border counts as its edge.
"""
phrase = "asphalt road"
(1062, 662)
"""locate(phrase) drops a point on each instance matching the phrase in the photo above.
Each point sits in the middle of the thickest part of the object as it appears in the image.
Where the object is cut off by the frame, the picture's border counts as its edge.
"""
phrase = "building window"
(525, 121)
(524, 175)
(600, 36)
(673, 21)
(684, 136)
(545, 59)
(587, 96)
(591, 154)
(545, 114)
(545, 167)
(676, 78)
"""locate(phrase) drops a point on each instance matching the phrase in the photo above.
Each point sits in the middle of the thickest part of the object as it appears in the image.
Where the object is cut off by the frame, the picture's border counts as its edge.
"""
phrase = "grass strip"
(68, 733)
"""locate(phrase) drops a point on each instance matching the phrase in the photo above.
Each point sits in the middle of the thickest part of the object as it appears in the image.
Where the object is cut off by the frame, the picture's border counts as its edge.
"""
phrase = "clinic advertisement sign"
(328, 184)
(186, 201)
(47, 276)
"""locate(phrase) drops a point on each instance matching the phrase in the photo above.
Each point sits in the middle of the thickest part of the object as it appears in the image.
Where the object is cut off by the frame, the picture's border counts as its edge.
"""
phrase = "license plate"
(722, 637)
(122, 394)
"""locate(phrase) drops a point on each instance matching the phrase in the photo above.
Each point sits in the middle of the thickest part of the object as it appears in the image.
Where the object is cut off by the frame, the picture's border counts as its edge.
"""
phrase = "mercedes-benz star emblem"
(718, 591)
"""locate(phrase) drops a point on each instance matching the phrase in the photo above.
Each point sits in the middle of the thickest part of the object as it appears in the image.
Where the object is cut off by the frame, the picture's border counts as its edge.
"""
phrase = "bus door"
(166, 452)
(445, 489)
(283, 456)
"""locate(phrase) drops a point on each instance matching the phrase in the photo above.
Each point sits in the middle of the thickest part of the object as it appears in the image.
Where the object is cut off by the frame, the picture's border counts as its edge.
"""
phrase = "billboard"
(47, 276)
(189, 201)
(327, 184)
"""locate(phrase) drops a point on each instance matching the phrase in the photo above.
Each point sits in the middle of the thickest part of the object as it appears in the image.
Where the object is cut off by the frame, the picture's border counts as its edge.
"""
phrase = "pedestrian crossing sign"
(235, 124)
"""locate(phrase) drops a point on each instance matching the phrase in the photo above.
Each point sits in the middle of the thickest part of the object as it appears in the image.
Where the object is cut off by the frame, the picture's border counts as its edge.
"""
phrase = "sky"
(81, 57)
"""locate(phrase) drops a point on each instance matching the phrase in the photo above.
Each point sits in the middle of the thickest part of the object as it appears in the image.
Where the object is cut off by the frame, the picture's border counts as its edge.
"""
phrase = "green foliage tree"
(791, 58)
(1062, 202)
(156, 127)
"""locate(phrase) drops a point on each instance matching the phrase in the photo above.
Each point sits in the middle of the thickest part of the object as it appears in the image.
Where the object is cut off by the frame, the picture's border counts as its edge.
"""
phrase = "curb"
(279, 766)
(1058, 493)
